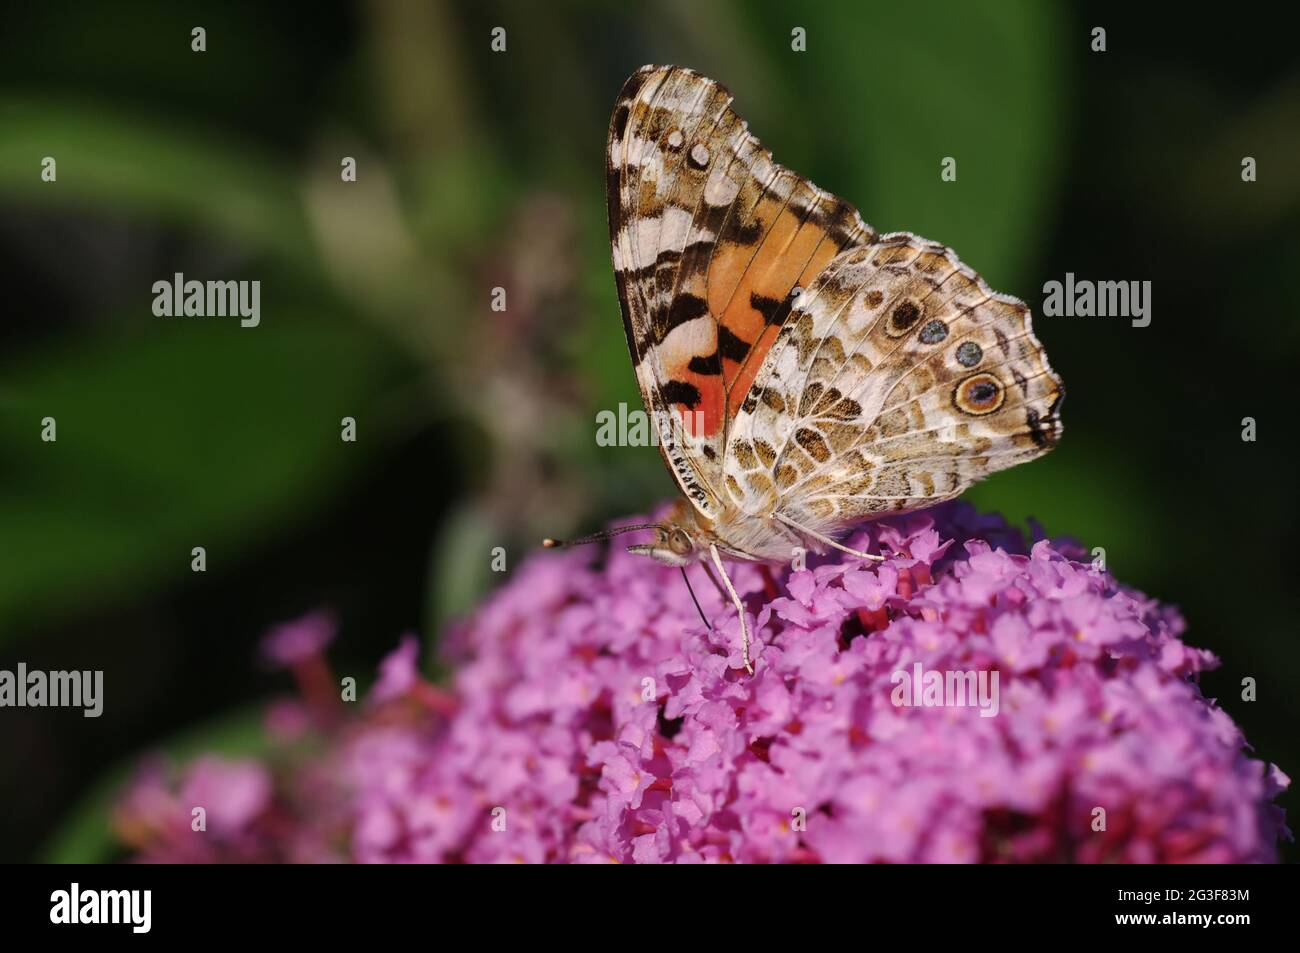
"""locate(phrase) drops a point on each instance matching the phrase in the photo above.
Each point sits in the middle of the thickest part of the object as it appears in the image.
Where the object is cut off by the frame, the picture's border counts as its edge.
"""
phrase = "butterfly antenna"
(691, 590)
(596, 537)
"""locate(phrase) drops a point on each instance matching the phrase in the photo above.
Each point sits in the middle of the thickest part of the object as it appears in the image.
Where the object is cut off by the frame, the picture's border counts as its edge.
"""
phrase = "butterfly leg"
(740, 608)
(825, 539)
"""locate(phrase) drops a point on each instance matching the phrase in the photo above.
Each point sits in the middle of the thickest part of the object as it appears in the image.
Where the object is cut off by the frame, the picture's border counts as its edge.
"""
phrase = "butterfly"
(804, 373)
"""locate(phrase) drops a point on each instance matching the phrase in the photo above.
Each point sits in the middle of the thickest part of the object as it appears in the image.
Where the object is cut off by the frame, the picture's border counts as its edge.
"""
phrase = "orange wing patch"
(794, 251)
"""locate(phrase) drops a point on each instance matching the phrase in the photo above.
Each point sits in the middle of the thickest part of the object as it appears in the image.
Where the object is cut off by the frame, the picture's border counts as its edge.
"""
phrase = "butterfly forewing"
(710, 237)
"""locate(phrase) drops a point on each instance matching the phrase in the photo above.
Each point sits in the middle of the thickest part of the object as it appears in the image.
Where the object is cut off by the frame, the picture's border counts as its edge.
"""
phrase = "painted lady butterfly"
(804, 372)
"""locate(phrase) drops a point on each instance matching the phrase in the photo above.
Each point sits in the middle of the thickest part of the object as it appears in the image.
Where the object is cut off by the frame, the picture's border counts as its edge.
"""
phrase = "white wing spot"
(720, 190)
(699, 154)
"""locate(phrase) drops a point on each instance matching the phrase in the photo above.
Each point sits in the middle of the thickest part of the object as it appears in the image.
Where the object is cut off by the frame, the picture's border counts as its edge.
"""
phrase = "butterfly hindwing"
(710, 239)
(899, 379)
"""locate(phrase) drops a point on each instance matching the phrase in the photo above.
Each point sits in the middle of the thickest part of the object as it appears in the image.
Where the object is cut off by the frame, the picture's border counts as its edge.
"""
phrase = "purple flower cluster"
(595, 718)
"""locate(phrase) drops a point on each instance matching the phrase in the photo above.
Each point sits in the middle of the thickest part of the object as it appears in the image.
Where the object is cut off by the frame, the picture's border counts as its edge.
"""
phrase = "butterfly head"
(674, 545)
(677, 539)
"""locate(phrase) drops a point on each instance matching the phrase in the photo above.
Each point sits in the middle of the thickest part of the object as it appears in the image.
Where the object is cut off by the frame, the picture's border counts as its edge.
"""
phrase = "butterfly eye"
(979, 394)
(679, 542)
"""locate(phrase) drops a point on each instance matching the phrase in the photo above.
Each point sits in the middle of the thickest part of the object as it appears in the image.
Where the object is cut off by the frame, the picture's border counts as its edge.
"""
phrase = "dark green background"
(476, 429)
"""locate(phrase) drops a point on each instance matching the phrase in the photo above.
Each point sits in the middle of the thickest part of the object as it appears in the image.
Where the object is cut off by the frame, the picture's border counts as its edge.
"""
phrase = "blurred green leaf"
(158, 170)
(85, 836)
(158, 429)
(892, 91)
